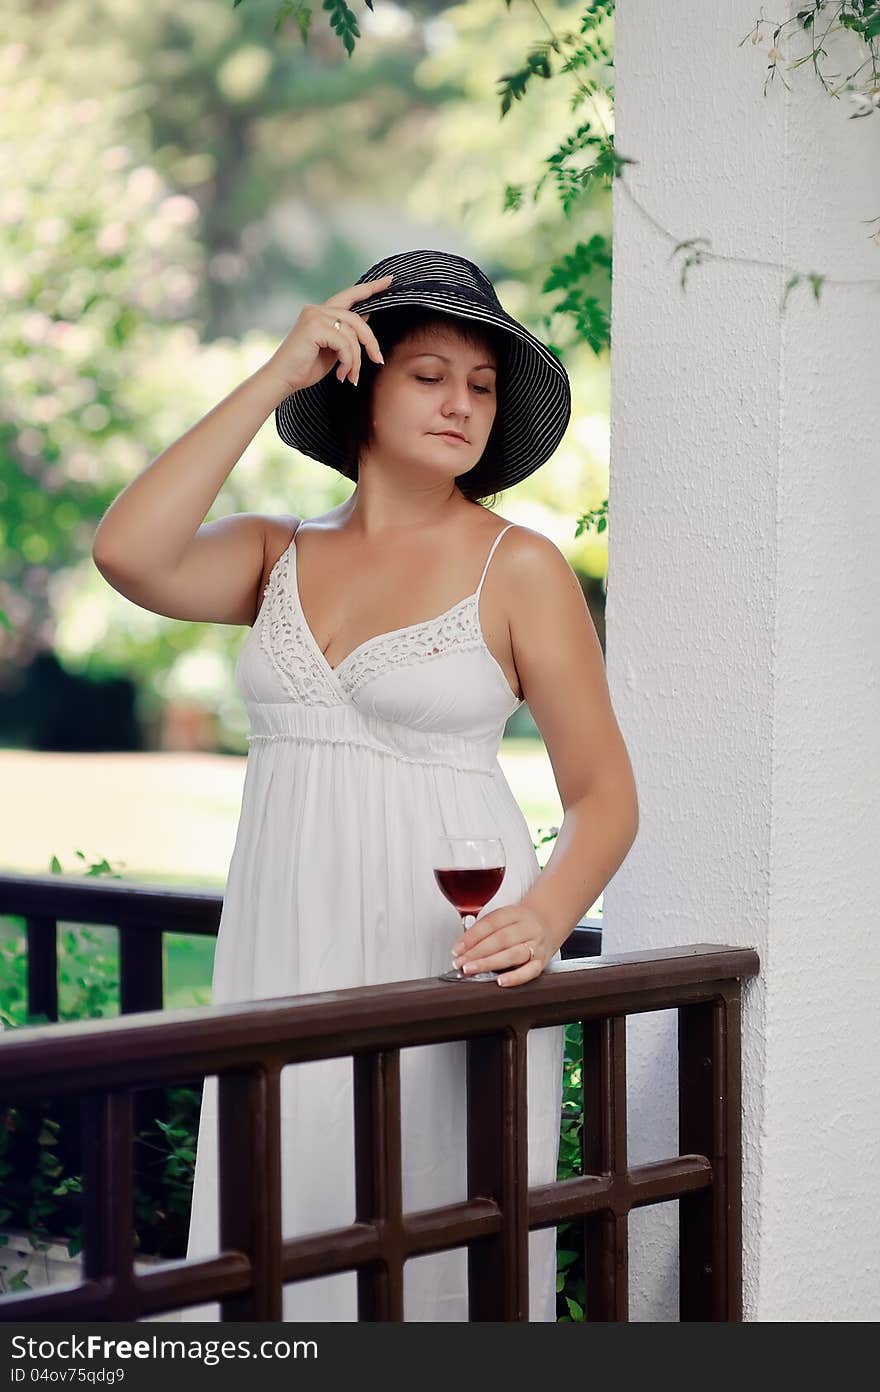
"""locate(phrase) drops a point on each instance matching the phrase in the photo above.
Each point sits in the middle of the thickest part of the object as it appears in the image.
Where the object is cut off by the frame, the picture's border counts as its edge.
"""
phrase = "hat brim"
(537, 397)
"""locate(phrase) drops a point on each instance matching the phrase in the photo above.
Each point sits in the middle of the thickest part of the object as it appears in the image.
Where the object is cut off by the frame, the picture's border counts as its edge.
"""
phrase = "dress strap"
(490, 555)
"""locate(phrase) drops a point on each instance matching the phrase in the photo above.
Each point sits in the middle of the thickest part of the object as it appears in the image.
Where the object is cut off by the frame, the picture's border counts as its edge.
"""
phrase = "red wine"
(469, 890)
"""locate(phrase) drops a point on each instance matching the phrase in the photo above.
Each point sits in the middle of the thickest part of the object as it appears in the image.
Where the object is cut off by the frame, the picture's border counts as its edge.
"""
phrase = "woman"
(384, 660)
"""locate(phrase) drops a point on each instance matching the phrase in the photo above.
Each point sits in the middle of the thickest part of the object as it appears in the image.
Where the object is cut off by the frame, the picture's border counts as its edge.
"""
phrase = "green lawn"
(188, 964)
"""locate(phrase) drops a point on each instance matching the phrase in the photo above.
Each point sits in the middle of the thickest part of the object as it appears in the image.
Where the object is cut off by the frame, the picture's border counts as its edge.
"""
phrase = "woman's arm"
(562, 672)
(152, 545)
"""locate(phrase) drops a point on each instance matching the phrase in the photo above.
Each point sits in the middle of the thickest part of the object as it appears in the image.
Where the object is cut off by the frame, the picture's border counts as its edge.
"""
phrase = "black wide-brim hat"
(536, 402)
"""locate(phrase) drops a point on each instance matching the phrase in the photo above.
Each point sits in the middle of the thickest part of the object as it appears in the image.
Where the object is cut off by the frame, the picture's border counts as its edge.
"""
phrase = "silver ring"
(531, 948)
(336, 324)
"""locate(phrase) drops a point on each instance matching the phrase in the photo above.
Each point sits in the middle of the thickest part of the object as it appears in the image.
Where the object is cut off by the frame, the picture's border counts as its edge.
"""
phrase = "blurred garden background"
(177, 184)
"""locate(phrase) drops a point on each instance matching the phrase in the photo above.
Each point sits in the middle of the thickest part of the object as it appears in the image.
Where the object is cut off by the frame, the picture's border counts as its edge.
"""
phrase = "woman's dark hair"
(391, 327)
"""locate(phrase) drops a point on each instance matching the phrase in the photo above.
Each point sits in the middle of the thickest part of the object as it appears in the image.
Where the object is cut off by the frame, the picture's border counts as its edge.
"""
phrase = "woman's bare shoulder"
(527, 549)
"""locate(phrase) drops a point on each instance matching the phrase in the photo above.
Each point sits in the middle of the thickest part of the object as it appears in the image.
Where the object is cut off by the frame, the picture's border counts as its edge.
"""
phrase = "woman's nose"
(457, 398)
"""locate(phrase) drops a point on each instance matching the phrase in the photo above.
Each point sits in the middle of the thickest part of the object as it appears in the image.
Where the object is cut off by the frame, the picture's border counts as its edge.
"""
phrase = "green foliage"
(814, 280)
(344, 23)
(859, 17)
(514, 85)
(88, 970)
(165, 1154)
(581, 161)
(37, 1179)
(571, 275)
(301, 12)
(13, 976)
(342, 20)
(595, 517)
(97, 258)
(41, 1175)
(571, 1296)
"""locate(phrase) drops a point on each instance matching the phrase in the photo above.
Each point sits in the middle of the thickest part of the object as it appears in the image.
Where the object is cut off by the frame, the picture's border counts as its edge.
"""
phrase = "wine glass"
(468, 871)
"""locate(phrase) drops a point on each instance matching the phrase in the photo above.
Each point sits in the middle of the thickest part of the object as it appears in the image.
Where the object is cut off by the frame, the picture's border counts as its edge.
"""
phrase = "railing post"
(140, 968)
(42, 967)
(378, 1179)
(710, 1221)
(141, 987)
(498, 1168)
(108, 1196)
(249, 1138)
(604, 1152)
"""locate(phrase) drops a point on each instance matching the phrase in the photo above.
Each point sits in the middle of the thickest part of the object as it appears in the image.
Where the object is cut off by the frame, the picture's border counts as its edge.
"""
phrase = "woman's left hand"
(511, 940)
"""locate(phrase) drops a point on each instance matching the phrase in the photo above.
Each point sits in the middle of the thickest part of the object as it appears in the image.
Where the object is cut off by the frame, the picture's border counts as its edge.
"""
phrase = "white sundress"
(350, 773)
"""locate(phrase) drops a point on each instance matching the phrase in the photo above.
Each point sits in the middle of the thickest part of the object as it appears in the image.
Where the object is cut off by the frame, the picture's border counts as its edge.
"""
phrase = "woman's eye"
(484, 390)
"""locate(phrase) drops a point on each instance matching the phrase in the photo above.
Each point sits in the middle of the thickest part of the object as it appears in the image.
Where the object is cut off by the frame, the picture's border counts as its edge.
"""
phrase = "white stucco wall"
(743, 629)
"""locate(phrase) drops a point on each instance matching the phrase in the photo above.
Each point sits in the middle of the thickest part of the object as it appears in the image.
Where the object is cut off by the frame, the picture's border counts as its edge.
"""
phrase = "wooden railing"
(105, 1062)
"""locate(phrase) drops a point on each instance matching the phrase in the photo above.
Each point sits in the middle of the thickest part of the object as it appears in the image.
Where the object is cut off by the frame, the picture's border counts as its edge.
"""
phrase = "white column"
(743, 635)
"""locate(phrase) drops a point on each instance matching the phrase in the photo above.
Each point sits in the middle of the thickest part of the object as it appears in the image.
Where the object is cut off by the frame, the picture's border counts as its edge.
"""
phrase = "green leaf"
(178, 1132)
(513, 196)
(343, 23)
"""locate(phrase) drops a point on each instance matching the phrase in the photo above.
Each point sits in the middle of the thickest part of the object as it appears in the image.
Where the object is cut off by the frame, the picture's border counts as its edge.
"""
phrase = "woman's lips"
(445, 435)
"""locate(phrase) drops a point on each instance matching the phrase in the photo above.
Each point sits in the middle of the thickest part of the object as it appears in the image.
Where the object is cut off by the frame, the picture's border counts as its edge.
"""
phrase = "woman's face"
(433, 382)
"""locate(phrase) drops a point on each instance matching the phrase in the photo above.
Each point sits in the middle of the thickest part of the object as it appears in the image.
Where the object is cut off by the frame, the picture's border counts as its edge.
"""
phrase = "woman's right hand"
(313, 345)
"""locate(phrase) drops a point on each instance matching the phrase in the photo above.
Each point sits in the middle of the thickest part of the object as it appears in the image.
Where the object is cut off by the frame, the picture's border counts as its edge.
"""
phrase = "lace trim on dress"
(285, 645)
(308, 678)
(456, 630)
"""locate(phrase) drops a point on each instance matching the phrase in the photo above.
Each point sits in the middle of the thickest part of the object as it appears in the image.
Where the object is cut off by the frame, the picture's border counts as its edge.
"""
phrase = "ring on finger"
(338, 326)
(531, 947)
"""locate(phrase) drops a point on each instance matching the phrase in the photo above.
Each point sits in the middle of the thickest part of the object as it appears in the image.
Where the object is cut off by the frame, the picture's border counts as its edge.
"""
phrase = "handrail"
(159, 1046)
(248, 1045)
(96, 899)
